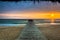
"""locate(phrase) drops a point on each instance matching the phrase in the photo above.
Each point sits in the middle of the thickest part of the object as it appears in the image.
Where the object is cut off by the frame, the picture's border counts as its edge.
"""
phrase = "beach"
(52, 32)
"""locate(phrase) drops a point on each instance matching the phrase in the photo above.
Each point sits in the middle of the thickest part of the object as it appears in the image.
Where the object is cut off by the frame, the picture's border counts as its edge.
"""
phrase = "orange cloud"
(31, 15)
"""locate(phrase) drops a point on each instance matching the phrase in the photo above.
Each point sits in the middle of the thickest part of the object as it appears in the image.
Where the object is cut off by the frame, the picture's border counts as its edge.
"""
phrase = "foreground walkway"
(31, 32)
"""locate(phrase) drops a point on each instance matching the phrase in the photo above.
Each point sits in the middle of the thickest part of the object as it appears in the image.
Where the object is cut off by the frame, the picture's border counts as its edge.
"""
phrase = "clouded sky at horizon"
(16, 9)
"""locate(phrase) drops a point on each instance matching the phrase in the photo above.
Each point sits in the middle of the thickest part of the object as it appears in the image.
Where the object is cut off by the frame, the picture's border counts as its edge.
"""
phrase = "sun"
(52, 18)
(52, 15)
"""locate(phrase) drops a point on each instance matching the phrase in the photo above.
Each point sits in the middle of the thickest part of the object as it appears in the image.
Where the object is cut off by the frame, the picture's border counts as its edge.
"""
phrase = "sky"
(29, 10)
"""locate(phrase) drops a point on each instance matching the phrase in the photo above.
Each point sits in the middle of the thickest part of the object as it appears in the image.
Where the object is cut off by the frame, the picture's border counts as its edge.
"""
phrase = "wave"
(25, 24)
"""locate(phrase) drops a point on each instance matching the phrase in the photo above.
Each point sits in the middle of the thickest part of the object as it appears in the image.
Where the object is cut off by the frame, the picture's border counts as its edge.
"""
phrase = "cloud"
(23, 10)
(21, 6)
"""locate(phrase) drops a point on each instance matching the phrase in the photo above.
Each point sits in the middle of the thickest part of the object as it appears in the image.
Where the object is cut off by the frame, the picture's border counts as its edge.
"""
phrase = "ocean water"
(12, 22)
(21, 22)
(7, 25)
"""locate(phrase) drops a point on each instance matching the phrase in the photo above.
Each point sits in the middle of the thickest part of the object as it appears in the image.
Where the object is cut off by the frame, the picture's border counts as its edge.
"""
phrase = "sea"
(23, 22)
(12, 22)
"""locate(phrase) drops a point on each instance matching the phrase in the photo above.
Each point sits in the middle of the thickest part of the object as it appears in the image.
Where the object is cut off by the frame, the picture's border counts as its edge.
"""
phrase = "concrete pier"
(31, 32)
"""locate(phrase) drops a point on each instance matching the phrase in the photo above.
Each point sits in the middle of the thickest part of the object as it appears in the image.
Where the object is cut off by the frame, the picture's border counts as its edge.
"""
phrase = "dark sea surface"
(12, 22)
(18, 22)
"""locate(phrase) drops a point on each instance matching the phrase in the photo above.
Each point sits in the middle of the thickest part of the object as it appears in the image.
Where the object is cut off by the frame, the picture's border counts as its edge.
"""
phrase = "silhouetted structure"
(31, 32)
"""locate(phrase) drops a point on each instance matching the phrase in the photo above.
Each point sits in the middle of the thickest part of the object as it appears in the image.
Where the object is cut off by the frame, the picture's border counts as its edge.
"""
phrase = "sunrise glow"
(31, 15)
(52, 18)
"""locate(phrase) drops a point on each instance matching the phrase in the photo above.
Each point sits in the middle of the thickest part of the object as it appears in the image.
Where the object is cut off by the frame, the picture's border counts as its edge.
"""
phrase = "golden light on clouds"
(31, 15)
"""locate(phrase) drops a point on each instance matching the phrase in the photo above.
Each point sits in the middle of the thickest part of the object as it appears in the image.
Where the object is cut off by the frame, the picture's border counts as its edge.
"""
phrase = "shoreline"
(23, 25)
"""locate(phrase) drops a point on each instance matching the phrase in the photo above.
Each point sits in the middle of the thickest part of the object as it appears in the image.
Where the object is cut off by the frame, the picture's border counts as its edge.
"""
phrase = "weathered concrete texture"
(31, 32)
